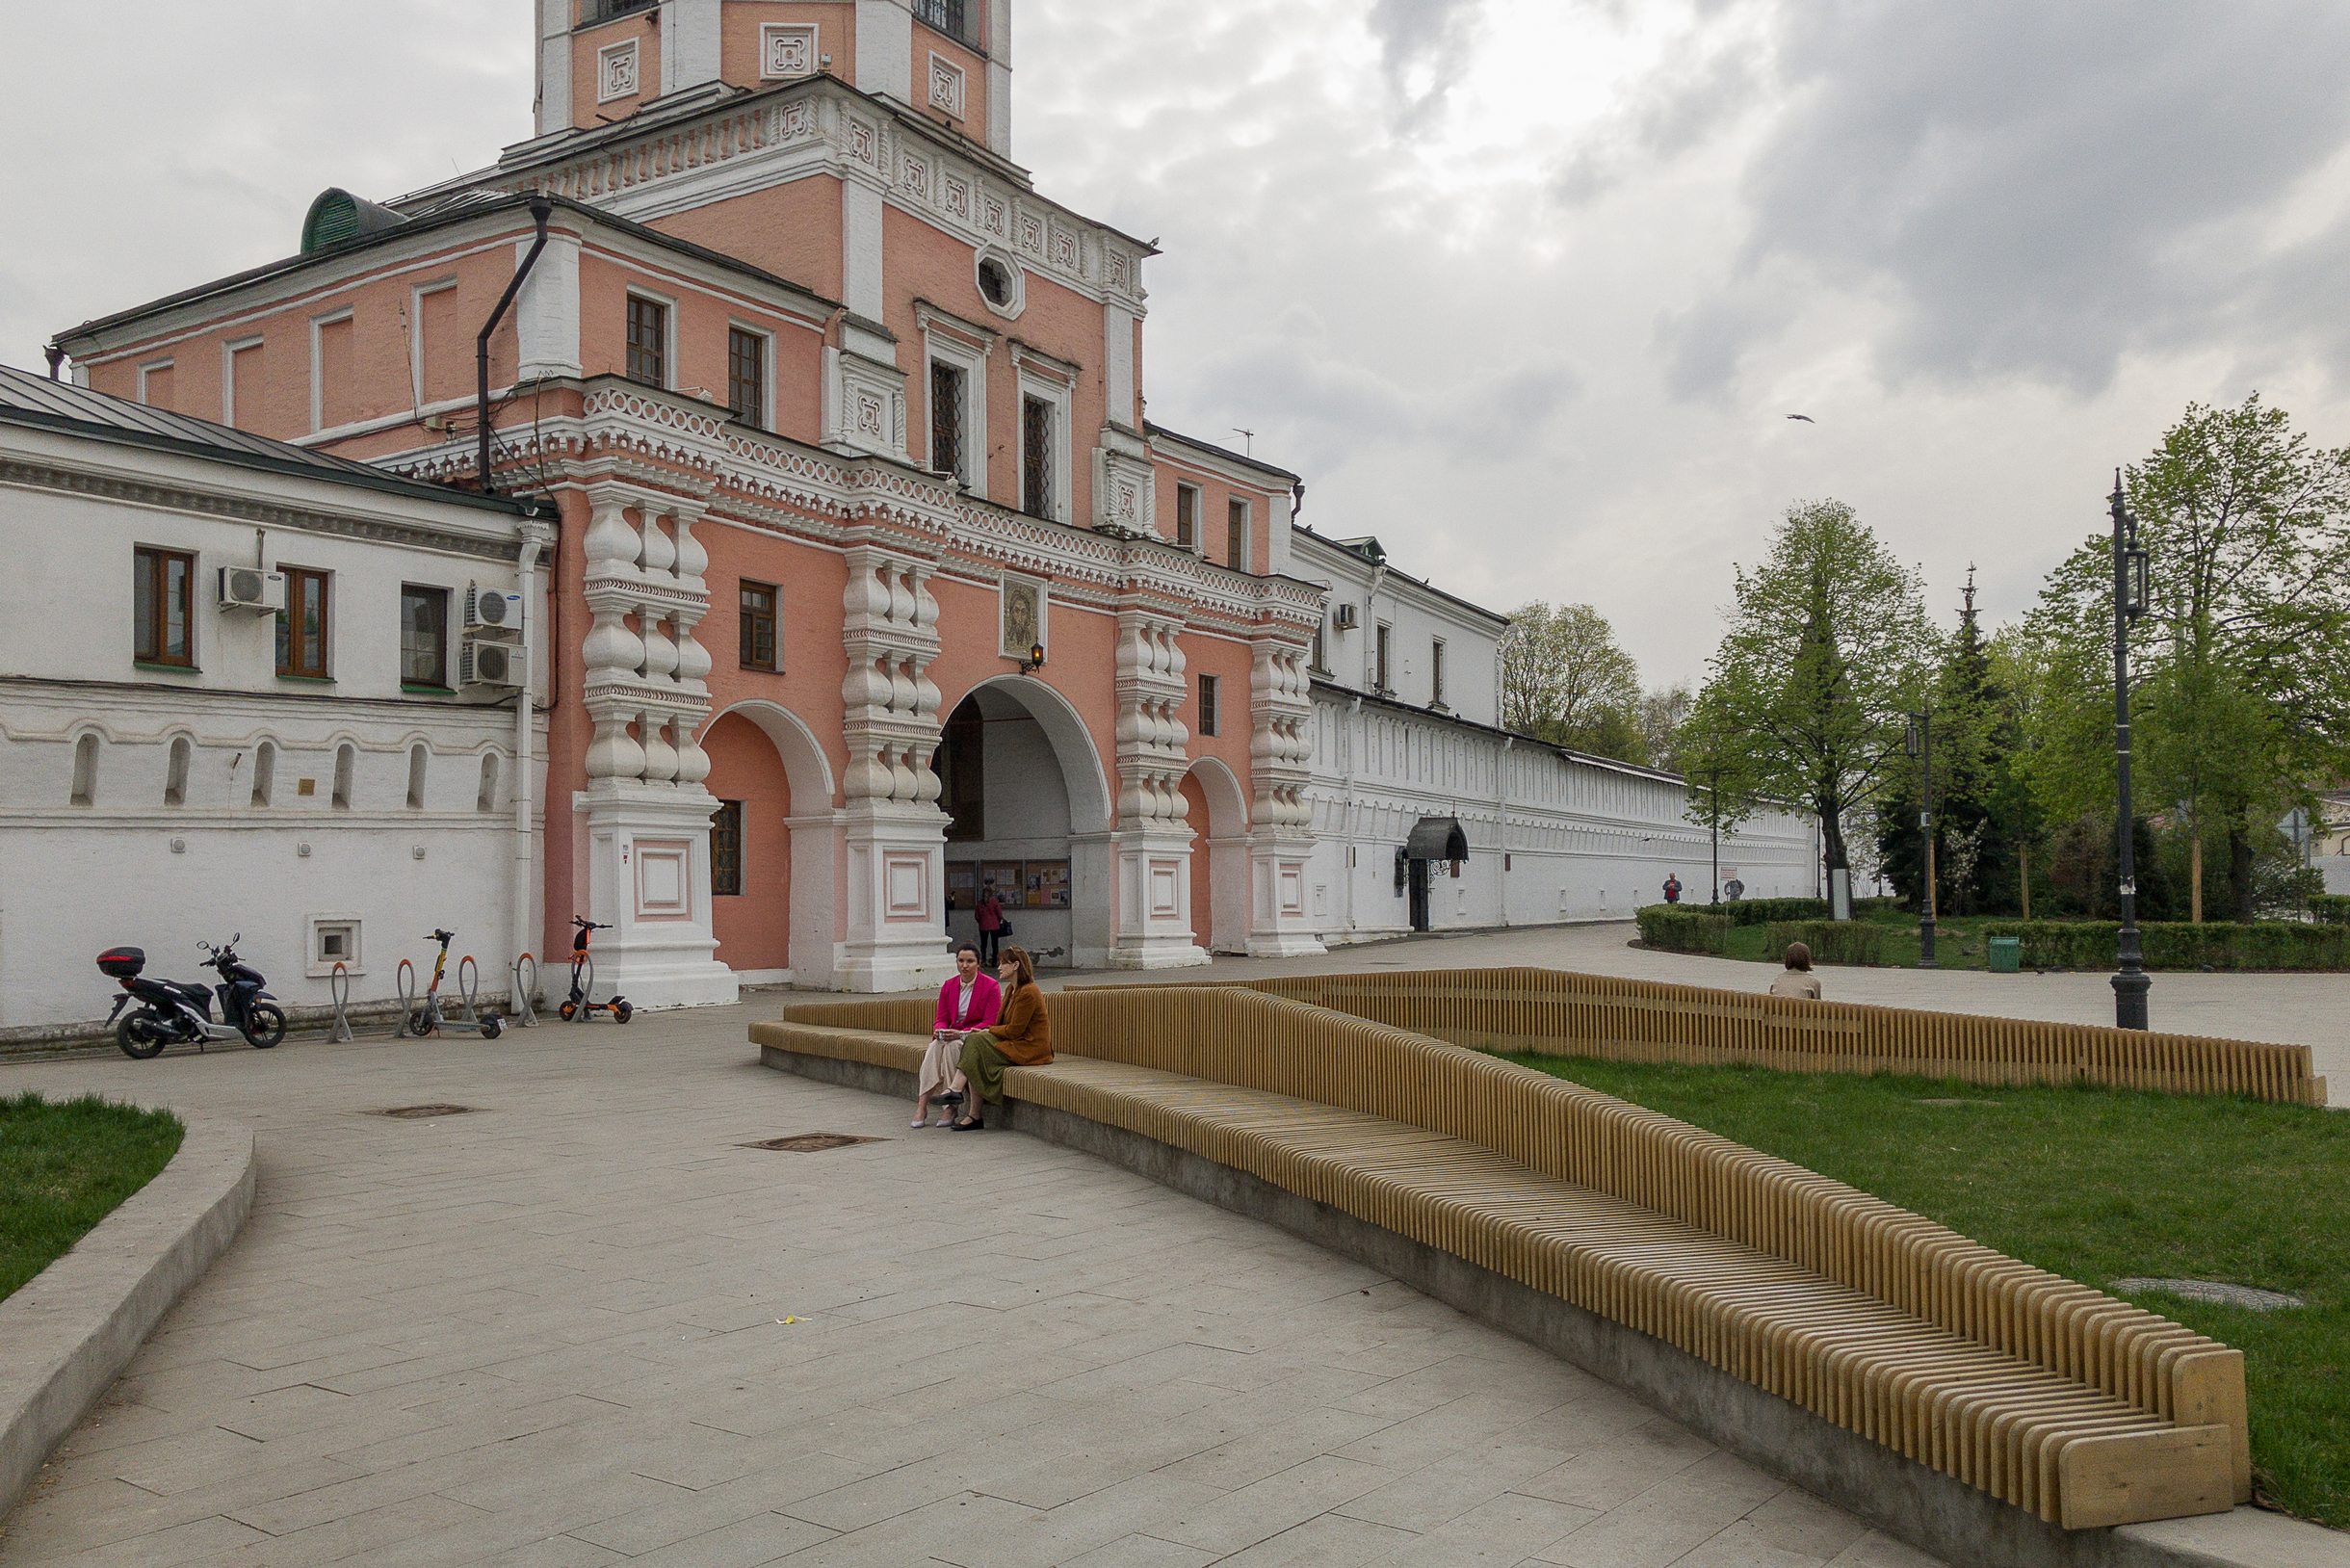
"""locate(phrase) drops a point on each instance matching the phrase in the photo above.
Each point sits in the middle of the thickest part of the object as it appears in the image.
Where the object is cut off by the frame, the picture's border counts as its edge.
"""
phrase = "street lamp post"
(1922, 747)
(2130, 599)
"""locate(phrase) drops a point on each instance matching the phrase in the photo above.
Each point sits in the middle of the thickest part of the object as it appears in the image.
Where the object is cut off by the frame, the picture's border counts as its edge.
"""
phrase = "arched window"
(265, 771)
(175, 777)
(487, 799)
(346, 762)
(86, 771)
(416, 776)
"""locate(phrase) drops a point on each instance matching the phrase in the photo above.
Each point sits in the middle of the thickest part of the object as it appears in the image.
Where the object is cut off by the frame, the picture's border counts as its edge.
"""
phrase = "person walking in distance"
(1672, 888)
(991, 923)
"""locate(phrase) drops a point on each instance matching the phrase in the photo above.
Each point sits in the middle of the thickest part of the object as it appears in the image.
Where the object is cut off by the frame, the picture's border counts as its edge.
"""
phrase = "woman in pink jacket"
(969, 1002)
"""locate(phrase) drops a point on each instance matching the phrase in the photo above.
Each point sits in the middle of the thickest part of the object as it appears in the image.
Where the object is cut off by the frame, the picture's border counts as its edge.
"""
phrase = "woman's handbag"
(1004, 927)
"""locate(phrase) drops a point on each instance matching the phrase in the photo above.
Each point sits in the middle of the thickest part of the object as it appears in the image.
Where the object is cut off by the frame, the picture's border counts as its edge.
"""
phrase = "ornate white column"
(895, 878)
(1152, 842)
(644, 811)
(1281, 832)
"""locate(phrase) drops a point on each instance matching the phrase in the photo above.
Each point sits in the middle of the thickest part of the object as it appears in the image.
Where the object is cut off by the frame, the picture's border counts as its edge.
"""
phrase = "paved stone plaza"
(584, 1325)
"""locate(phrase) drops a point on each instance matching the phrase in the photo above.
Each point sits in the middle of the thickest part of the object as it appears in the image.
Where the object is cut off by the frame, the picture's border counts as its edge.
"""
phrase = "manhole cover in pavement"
(425, 1112)
(2211, 1289)
(811, 1142)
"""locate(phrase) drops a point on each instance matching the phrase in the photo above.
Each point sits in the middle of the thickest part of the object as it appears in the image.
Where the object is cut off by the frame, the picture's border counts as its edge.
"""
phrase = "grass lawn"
(2095, 1185)
(1958, 943)
(66, 1166)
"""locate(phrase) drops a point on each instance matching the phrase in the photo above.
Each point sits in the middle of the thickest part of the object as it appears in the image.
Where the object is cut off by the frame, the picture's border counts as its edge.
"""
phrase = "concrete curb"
(1934, 1512)
(72, 1328)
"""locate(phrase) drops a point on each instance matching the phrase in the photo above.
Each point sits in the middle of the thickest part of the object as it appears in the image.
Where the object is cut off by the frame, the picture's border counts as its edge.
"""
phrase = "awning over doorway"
(1437, 838)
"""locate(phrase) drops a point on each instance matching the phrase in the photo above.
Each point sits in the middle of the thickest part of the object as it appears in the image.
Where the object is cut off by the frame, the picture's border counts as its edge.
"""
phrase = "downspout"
(535, 536)
(541, 209)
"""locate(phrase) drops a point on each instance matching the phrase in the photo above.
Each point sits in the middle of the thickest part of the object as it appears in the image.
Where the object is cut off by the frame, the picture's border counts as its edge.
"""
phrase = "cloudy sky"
(1525, 287)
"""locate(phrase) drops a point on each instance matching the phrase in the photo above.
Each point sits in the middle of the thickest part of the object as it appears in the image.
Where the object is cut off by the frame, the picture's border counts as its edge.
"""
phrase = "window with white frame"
(240, 362)
(955, 395)
(1186, 516)
(335, 939)
(1044, 444)
(648, 340)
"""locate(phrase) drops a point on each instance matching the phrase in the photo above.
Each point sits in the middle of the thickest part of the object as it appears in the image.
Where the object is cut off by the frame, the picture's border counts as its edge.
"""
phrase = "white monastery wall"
(156, 807)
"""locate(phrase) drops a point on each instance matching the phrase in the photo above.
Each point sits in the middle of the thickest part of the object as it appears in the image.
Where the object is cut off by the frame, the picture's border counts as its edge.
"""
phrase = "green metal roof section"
(337, 215)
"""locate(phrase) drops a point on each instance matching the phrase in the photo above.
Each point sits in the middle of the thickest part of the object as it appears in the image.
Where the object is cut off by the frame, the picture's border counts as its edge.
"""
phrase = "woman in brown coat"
(1022, 1036)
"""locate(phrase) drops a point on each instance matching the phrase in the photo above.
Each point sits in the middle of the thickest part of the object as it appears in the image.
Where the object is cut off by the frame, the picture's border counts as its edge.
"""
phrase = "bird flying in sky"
(1806, 418)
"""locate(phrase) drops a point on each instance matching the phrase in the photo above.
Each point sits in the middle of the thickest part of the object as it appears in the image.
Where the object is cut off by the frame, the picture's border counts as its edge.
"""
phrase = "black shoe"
(947, 1099)
(970, 1125)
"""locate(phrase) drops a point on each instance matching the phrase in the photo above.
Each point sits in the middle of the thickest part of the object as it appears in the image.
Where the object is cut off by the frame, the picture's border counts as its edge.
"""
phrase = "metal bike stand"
(586, 986)
(338, 986)
(404, 982)
(519, 1005)
(467, 989)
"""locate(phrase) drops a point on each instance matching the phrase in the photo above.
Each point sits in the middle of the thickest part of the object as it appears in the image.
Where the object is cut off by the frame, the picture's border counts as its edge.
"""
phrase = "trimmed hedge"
(1771, 912)
(1682, 928)
(1832, 942)
(2331, 908)
(2269, 944)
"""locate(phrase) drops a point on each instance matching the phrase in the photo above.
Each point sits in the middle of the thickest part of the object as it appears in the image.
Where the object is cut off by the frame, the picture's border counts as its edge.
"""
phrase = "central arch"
(1028, 807)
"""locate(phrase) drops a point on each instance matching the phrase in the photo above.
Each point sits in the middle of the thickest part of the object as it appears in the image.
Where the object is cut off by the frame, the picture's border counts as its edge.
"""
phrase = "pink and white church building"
(868, 585)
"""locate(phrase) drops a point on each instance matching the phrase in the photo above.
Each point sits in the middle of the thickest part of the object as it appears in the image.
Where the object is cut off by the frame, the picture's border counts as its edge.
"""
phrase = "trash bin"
(2006, 953)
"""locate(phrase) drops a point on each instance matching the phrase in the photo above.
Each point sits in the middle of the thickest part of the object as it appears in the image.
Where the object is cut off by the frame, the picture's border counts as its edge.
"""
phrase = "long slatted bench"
(2081, 1409)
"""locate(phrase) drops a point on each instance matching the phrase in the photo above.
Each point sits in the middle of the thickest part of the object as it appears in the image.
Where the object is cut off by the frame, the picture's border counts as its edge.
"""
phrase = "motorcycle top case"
(122, 962)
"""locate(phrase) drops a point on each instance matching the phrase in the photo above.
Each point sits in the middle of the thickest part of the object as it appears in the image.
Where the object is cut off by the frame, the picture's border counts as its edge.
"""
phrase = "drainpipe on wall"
(541, 209)
(536, 533)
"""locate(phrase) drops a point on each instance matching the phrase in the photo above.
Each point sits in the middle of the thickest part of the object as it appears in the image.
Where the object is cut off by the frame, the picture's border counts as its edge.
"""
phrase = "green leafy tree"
(1662, 712)
(1565, 680)
(1982, 811)
(1828, 650)
(2242, 663)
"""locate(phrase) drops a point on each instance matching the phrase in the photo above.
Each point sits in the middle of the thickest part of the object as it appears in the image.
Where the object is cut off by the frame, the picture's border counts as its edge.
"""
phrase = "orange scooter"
(576, 1005)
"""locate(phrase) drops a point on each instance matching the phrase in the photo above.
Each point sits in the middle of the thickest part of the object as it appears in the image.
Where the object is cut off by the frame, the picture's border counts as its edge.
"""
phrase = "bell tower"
(604, 61)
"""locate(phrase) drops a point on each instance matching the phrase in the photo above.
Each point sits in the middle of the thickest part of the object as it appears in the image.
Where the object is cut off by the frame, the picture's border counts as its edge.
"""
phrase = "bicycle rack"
(467, 989)
(519, 1007)
(338, 986)
(405, 983)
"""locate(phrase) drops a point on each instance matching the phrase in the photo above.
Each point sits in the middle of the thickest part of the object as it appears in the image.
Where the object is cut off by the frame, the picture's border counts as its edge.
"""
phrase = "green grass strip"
(2095, 1185)
(63, 1167)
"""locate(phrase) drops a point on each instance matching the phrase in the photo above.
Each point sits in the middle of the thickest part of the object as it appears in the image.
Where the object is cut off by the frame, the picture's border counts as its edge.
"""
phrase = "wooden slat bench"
(1558, 1011)
(2065, 1402)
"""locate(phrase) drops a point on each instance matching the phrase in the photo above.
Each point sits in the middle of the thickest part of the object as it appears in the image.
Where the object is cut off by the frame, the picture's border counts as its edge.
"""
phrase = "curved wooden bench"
(1554, 1011)
(2079, 1408)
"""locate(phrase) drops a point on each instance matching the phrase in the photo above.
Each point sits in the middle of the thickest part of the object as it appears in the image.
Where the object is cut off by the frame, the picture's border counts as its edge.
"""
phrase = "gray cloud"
(2043, 189)
(1424, 48)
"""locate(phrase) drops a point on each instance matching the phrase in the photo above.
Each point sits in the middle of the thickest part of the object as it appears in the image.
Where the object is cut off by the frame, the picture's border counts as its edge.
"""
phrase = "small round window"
(1000, 285)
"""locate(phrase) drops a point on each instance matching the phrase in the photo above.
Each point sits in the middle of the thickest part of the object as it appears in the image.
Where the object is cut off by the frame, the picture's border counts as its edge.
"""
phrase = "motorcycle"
(179, 1013)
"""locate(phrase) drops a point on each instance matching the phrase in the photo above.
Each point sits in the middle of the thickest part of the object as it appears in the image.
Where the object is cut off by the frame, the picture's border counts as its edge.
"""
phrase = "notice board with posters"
(1047, 884)
(1004, 879)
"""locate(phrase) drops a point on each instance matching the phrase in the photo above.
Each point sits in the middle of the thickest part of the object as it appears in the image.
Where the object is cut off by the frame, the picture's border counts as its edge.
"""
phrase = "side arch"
(815, 864)
(1217, 811)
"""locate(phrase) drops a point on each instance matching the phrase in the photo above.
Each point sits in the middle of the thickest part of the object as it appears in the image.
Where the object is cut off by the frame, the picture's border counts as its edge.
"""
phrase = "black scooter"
(176, 1013)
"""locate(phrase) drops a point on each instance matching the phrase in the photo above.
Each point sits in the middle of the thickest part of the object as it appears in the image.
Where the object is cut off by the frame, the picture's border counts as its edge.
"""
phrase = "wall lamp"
(1035, 661)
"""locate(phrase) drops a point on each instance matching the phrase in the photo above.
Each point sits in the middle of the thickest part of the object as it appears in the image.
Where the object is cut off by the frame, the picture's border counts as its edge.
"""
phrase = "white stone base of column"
(1154, 902)
(1278, 925)
(896, 883)
(649, 877)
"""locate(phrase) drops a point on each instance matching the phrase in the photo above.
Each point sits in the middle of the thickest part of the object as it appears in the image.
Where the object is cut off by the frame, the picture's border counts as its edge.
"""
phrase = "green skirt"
(983, 1065)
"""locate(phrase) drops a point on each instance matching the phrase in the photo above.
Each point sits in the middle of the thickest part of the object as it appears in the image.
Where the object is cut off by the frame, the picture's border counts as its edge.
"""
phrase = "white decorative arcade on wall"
(644, 816)
(1153, 839)
(1281, 842)
(896, 831)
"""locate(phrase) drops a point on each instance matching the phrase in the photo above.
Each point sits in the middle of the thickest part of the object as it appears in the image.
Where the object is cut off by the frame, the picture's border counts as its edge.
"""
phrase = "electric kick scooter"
(576, 1005)
(427, 1017)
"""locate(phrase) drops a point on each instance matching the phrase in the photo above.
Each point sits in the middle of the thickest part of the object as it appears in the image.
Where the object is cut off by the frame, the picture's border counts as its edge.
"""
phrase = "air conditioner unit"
(252, 587)
(489, 608)
(484, 662)
(1341, 616)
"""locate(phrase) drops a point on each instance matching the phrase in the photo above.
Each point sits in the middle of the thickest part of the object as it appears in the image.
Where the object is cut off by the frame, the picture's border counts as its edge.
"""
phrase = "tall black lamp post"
(1922, 747)
(2130, 574)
